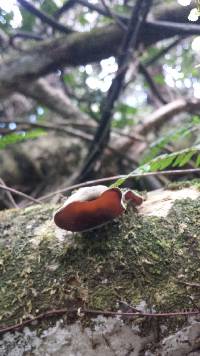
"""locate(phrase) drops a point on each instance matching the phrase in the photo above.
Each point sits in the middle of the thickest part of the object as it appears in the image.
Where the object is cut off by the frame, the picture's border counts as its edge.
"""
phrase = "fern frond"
(172, 136)
(175, 159)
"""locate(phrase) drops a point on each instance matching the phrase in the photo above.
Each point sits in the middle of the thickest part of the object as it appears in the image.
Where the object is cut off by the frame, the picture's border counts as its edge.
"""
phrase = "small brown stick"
(79, 311)
(14, 191)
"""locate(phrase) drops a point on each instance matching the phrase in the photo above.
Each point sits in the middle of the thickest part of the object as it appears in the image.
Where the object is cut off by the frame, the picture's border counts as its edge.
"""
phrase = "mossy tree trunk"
(148, 259)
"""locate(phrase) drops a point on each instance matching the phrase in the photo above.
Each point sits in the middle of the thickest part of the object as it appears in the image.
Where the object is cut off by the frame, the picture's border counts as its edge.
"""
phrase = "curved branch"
(166, 112)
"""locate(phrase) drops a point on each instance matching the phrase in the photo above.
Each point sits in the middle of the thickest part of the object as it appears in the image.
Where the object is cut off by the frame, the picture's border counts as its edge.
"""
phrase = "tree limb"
(166, 112)
(55, 99)
(82, 48)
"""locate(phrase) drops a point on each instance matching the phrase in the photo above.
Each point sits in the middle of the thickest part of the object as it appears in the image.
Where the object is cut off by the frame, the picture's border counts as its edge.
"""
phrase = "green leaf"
(179, 159)
(186, 159)
(172, 136)
(119, 182)
(198, 161)
(164, 163)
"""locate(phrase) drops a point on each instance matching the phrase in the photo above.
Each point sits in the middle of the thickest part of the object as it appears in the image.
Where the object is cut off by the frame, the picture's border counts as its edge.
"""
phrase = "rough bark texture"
(146, 259)
(41, 163)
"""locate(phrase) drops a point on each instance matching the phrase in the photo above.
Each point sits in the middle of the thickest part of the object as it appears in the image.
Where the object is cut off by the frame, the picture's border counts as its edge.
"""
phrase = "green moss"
(133, 258)
(184, 184)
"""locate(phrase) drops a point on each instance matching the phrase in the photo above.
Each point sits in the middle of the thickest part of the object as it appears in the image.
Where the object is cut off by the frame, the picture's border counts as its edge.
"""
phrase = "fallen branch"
(81, 312)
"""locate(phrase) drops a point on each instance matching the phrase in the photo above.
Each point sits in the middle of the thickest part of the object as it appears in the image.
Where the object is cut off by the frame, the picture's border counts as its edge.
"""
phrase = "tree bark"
(148, 259)
(43, 164)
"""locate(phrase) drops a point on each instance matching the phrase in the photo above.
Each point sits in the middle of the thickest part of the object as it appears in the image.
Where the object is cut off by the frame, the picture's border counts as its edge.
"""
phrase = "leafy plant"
(172, 136)
(18, 137)
(175, 159)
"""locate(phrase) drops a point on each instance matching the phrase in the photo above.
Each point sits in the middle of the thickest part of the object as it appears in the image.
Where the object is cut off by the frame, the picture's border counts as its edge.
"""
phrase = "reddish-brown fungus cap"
(90, 207)
(84, 215)
(135, 198)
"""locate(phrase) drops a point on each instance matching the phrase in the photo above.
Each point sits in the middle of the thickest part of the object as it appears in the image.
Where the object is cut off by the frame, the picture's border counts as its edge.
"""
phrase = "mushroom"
(91, 207)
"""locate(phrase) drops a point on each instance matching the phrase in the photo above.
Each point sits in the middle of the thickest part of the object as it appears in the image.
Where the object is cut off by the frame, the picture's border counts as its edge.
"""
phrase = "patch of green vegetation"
(134, 258)
(184, 184)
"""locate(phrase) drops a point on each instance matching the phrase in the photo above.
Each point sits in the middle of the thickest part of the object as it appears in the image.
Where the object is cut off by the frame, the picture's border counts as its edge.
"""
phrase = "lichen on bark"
(135, 258)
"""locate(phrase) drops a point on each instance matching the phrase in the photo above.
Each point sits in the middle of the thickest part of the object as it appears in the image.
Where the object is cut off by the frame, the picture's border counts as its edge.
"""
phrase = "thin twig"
(80, 311)
(17, 192)
(68, 130)
(44, 17)
(151, 83)
(23, 35)
(26, 35)
(113, 178)
(163, 51)
(48, 124)
(9, 195)
(64, 8)
(133, 136)
(150, 315)
(94, 7)
(114, 16)
(49, 127)
(71, 3)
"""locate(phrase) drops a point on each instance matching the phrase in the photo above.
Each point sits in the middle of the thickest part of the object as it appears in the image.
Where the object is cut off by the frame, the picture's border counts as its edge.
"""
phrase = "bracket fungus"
(91, 207)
